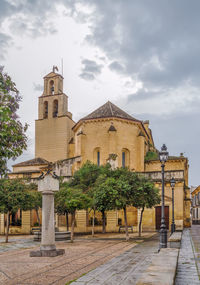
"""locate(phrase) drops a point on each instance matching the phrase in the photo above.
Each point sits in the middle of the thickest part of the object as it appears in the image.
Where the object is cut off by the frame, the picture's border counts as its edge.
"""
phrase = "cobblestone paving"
(17, 267)
(187, 270)
(124, 269)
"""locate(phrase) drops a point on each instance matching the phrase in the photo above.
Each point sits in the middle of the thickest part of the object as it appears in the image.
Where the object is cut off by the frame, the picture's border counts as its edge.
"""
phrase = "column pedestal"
(48, 247)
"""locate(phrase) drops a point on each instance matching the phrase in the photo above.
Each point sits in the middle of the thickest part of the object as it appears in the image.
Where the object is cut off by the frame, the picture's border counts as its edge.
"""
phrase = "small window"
(98, 158)
(55, 108)
(123, 159)
(96, 155)
(45, 113)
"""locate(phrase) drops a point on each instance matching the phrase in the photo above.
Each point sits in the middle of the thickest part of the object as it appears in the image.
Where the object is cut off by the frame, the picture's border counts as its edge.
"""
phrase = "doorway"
(158, 217)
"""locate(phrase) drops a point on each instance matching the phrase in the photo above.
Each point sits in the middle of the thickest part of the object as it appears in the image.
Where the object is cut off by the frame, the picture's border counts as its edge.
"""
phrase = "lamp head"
(163, 154)
(172, 182)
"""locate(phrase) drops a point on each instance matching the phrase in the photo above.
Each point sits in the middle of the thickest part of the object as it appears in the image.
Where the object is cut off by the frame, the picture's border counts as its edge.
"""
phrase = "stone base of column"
(47, 253)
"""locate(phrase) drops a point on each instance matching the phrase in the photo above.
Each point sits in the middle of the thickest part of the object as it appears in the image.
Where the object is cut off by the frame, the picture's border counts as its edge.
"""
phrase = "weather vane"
(55, 68)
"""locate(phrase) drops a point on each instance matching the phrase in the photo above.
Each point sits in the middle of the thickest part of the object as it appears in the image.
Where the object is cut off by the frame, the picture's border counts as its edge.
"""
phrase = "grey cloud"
(38, 87)
(138, 32)
(90, 69)
(116, 66)
(5, 41)
(143, 95)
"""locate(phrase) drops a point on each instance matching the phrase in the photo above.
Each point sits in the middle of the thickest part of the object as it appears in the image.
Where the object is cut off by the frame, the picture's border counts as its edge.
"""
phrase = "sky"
(142, 55)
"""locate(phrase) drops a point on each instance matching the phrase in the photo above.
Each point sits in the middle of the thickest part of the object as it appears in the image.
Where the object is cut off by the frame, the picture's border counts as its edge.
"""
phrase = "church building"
(108, 134)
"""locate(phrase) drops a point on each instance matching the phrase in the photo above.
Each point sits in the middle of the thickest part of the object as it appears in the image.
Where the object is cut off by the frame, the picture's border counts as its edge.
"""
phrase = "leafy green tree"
(146, 196)
(85, 179)
(14, 195)
(86, 176)
(12, 135)
(60, 205)
(105, 196)
(70, 200)
(36, 200)
(126, 184)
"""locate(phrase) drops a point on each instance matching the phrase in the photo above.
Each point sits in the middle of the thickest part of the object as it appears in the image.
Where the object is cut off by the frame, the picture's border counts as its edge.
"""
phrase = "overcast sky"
(143, 55)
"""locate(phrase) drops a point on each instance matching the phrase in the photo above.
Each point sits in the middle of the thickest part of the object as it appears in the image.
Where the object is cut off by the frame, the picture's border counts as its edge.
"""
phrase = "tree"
(12, 135)
(127, 182)
(86, 176)
(105, 196)
(85, 179)
(146, 196)
(36, 200)
(71, 200)
(14, 195)
(60, 205)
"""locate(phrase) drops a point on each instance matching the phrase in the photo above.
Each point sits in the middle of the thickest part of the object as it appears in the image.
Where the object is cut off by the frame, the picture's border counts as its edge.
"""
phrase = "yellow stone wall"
(26, 222)
(51, 138)
(88, 139)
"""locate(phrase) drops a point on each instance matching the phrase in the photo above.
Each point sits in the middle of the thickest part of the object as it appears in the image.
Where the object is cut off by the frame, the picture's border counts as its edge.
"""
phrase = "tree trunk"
(72, 227)
(140, 224)
(7, 225)
(67, 221)
(38, 217)
(104, 222)
(93, 223)
(126, 225)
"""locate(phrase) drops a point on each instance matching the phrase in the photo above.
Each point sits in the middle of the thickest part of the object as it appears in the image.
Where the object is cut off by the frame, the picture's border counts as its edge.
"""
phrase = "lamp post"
(173, 226)
(163, 154)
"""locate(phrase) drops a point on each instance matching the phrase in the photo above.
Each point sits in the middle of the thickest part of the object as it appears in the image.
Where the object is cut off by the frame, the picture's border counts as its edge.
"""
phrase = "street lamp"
(173, 226)
(163, 154)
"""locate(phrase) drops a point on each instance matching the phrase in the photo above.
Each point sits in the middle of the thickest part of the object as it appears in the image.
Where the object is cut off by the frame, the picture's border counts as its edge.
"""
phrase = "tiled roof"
(109, 110)
(35, 161)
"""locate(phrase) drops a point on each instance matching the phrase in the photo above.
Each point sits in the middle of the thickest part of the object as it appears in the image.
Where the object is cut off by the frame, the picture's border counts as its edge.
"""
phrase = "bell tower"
(53, 128)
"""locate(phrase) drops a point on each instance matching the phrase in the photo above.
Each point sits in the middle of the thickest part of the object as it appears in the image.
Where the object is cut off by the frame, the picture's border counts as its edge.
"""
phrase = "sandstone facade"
(106, 135)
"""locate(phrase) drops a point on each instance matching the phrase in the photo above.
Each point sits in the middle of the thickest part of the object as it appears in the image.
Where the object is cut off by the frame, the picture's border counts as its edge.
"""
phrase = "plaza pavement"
(106, 259)
(82, 256)
(127, 268)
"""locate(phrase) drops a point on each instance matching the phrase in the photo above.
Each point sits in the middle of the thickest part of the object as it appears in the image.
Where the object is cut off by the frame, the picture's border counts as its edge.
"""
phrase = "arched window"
(125, 157)
(55, 108)
(51, 87)
(45, 110)
(97, 158)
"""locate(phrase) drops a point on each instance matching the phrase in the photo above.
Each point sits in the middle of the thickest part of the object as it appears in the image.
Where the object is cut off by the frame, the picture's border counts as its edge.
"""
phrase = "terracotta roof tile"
(109, 110)
(35, 161)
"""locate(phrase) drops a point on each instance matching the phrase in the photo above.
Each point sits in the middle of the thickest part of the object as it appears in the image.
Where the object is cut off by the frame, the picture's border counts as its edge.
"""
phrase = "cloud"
(5, 41)
(90, 69)
(38, 87)
(116, 66)
(156, 43)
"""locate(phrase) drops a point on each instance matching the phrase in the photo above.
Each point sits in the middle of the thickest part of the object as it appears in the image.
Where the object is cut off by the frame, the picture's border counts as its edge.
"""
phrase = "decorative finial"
(55, 68)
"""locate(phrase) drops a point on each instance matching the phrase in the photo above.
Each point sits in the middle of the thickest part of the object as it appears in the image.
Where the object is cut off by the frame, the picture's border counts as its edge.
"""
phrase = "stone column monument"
(48, 184)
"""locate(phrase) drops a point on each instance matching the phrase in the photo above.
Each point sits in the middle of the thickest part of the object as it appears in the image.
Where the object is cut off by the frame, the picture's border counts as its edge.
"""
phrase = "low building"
(108, 134)
(195, 193)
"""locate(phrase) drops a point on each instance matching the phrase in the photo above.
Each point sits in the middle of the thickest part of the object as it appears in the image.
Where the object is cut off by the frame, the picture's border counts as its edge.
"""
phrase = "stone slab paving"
(16, 242)
(195, 233)
(187, 273)
(124, 269)
(17, 267)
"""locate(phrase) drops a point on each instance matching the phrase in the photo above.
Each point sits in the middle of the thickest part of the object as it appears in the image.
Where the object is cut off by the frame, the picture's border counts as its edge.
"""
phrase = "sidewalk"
(124, 269)
(187, 270)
